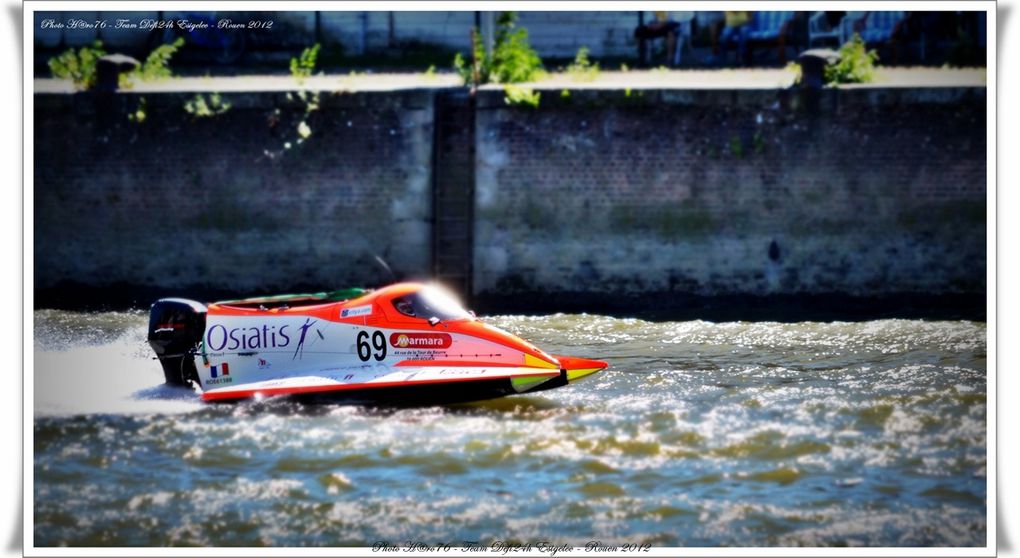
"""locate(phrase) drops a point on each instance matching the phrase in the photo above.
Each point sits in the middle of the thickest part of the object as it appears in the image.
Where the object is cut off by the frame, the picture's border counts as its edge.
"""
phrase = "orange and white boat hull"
(408, 341)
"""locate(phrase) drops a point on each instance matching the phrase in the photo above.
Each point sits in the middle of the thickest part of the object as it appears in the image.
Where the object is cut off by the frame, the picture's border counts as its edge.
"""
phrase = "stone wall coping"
(494, 98)
(725, 79)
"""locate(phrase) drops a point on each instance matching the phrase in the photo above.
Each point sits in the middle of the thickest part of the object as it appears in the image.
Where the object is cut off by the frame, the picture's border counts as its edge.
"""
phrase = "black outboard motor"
(176, 327)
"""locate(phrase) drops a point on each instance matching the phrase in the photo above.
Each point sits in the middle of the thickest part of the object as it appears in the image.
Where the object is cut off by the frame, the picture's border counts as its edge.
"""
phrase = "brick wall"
(221, 202)
(861, 191)
(866, 191)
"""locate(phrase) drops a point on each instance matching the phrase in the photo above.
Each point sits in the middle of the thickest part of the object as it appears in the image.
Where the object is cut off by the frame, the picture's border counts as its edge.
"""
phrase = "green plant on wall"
(138, 115)
(583, 69)
(798, 72)
(156, 64)
(512, 59)
(475, 72)
(736, 146)
(303, 66)
(520, 95)
(759, 142)
(856, 64)
(78, 65)
(155, 67)
(201, 106)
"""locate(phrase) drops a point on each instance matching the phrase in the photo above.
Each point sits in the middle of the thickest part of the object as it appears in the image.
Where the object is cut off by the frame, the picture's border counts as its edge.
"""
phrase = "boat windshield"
(430, 302)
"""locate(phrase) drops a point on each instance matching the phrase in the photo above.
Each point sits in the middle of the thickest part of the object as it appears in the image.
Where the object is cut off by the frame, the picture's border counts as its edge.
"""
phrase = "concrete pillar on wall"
(363, 34)
(453, 191)
(391, 36)
(488, 30)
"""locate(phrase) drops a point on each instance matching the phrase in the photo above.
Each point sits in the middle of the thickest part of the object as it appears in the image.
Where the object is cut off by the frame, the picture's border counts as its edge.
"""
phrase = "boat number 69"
(365, 349)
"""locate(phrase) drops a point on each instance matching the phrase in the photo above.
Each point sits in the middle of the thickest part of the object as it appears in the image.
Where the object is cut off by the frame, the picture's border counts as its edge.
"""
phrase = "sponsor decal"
(264, 364)
(219, 338)
(419, 340)
(422, 354)
(458, 372)
(167, 327)
(220, 374)
(355, 312)
(300, 350)
(218, 369)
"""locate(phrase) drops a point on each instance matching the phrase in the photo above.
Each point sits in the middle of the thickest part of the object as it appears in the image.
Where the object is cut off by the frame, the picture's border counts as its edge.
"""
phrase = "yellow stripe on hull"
(537, 362)
(574, 375)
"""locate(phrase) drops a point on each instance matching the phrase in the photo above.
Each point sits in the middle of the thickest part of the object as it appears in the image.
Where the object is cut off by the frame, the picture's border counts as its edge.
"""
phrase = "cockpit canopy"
(430, 302)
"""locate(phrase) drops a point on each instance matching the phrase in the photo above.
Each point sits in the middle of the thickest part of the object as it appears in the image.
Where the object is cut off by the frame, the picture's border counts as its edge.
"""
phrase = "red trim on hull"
(575, 363)
(244, 394)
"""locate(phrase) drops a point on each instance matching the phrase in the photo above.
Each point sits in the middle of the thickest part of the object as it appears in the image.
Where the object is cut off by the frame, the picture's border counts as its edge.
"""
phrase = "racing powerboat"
(405, 343)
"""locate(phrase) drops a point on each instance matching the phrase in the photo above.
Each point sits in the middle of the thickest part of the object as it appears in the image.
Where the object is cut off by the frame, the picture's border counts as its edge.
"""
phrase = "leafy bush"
(520, 95)
(856, 64)
(512, 59)
(476, 72)
(78, 66)
(200, 106)
(303, 66)
(156, 65)
(583, 69)
(462, 68)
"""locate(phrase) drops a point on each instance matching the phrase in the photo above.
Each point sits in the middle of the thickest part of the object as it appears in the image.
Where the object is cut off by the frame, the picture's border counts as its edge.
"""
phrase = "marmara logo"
(413, 340)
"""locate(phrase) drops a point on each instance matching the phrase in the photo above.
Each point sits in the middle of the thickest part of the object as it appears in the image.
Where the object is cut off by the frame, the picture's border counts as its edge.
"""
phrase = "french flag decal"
(220, 368)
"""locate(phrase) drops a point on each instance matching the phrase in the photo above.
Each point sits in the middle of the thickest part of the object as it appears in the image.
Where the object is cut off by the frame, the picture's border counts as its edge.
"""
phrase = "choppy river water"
(698, 434)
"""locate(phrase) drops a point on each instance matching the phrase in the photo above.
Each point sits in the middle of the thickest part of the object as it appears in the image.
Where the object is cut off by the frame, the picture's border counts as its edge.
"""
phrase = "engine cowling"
(176, 327)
